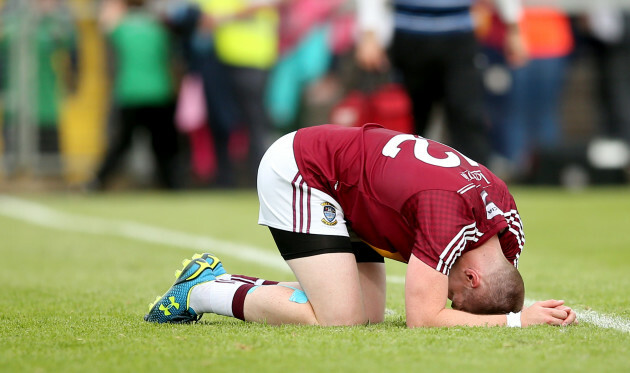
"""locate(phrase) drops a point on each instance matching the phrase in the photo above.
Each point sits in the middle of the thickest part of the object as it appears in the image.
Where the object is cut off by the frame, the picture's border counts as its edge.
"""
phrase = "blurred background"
(173, 94)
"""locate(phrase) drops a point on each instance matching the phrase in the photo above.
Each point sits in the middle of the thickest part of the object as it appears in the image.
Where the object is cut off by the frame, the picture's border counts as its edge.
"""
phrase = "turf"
(74, 301)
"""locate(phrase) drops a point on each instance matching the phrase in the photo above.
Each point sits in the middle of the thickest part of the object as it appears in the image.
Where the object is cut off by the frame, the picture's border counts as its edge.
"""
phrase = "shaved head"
(501, 290)
(504, 292)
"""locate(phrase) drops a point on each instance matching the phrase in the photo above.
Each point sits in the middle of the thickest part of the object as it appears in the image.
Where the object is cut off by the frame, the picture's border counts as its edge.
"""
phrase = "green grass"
(74, 301)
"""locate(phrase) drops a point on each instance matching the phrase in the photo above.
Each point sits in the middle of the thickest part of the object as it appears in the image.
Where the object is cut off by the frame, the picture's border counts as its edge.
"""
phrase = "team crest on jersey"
(330, 214)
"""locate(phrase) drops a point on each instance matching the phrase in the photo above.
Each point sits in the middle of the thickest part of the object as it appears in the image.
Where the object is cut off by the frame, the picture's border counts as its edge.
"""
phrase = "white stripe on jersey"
(466, 188)
(468, 236)
(457, 245)
(515, 226)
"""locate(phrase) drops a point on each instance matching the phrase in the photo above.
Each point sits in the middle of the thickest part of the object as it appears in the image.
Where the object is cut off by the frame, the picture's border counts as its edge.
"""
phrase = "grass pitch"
(78, 273)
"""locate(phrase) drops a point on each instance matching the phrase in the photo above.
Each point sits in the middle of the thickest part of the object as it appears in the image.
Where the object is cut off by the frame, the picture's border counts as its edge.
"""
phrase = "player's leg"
(202, 286)
(266, 301)
(287, 302)
(371, 267)
(341, 291)
(329, 293)
(333, 288)
(326, 270)
(277, 305)
(331, 282)
(372, 277)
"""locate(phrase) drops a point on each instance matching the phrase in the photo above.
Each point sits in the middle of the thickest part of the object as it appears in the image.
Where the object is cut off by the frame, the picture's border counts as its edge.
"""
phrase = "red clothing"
(403, 194)
(546, 31)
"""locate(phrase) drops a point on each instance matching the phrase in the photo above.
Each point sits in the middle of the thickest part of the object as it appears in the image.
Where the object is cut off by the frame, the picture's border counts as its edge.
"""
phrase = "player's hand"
(550, 312)
(571, 318)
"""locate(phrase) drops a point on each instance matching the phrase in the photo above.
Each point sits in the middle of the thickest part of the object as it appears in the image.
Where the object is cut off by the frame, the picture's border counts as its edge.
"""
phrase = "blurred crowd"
(210, 84)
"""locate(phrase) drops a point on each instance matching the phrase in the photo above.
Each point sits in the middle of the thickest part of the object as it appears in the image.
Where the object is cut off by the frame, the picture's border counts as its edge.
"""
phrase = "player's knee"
(376, 319)
(306, 317)
(342, 318)
(347, 321)
(339, 313)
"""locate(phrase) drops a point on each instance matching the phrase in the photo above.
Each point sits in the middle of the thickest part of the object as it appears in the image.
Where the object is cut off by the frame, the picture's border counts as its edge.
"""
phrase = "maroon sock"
(252, 280)
(238, 302)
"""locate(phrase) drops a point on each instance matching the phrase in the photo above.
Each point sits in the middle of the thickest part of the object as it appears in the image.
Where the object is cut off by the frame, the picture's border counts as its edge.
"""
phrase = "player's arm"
(426, 294)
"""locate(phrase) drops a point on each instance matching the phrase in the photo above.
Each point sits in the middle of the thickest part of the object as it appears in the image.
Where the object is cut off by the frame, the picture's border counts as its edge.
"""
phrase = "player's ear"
(472, 277)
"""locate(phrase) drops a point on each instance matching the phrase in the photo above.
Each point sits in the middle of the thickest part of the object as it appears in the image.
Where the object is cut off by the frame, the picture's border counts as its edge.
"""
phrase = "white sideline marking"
(41, 215)
(44, 216)
(603, 320)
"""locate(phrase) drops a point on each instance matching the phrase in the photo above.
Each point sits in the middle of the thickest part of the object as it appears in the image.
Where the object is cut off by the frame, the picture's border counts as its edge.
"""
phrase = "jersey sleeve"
(513, 237)
(444, 227)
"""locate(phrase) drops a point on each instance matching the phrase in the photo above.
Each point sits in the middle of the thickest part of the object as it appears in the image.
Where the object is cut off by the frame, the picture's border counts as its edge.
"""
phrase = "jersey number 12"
(421, 152)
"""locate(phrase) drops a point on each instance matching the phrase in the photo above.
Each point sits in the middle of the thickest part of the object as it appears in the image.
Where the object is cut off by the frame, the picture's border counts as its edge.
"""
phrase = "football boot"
(213, 261)
(173, 306)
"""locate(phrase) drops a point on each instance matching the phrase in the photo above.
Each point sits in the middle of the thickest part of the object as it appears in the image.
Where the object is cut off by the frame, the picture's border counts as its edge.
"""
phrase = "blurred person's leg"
(518, 136)
(49, 149)
(48, 138)
(498, 84)
(545, 86)
(464, 105)
(421, 74)
(223, 114)
(613, 87)
(250, 88)
(119, 143)
(164, 143)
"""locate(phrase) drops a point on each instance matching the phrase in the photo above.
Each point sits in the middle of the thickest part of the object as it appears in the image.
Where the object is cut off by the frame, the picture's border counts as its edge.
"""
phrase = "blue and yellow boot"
(213, 261)
(173, 306)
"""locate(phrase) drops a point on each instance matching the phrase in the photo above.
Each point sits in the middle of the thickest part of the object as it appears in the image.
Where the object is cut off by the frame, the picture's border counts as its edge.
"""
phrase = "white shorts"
(287, 203)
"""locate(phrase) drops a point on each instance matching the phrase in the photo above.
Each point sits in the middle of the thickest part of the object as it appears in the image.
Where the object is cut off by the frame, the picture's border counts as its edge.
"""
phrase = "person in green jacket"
(143, 89)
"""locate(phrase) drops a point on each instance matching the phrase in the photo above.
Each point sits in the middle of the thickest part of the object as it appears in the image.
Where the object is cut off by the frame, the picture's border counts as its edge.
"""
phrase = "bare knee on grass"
(331, 282)
(373, 288)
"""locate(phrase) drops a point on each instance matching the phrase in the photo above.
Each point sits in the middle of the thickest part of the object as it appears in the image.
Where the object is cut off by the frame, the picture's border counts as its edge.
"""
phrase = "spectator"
(143, 89)
(524, 100)
(246, 39)
(193, 28)
(434, 48)
(311, 33)
(607, 33)
(49, 32)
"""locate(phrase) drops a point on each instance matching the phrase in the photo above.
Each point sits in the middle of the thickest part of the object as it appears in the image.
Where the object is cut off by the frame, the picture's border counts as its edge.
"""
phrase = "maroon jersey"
(403, 194)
